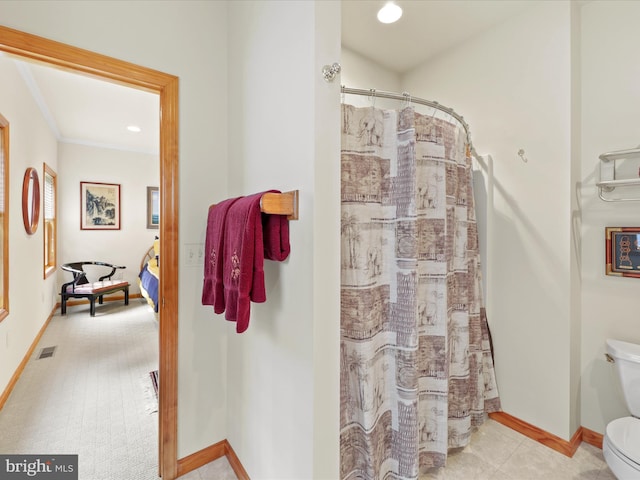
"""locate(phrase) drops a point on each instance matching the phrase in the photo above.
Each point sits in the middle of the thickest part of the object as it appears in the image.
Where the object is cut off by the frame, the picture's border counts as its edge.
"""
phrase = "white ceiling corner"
(87, 111)
(426, 28)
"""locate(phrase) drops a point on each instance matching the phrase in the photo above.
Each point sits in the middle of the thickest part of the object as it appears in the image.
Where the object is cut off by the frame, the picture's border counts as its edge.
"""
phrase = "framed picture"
(623, 251)
(153, 207)
(99, 206)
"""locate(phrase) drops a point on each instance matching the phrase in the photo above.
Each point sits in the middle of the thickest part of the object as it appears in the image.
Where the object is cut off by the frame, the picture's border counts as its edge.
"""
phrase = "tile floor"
(496, 453)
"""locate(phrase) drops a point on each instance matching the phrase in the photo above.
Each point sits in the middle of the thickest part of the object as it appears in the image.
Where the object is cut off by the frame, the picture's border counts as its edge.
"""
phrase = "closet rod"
(421, 101)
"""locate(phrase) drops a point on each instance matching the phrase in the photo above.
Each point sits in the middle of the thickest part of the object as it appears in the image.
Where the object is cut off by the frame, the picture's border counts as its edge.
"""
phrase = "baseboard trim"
(201, 457)
(234, 461)
(568, 448)
(592, 438)
(16, 375)
(550, 440)
(209, 454)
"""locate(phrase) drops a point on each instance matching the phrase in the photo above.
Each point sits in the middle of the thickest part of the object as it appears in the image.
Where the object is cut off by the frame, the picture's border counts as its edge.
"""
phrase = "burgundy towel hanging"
(213, 287)
(245, 237)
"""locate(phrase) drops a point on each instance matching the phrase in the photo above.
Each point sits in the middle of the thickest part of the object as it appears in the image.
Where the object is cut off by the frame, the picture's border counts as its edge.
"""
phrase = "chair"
(81, 287)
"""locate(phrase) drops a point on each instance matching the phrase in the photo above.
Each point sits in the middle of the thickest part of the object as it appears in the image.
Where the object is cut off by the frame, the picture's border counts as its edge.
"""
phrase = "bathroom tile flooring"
(495, 453)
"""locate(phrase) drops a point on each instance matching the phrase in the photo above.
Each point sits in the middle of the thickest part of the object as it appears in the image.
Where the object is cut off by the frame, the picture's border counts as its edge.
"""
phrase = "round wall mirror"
(31, 200)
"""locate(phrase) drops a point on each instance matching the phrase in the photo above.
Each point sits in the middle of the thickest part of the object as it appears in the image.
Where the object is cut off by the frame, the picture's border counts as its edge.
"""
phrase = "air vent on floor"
(46, 352)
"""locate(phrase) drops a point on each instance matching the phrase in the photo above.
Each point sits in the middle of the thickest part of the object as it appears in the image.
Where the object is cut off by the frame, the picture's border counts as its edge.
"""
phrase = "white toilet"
(621, 445)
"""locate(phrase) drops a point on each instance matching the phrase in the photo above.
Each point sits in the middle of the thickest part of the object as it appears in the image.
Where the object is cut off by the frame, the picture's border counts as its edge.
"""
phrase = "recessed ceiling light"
(134, 128)
(389, 13)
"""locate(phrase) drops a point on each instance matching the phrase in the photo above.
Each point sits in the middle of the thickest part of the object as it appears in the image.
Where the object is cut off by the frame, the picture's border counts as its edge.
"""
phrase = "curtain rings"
(407, 99)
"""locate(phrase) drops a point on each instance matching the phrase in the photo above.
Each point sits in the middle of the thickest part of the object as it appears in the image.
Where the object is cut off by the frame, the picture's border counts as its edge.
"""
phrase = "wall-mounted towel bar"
(632, 152)
(608, 175)
(285, 203)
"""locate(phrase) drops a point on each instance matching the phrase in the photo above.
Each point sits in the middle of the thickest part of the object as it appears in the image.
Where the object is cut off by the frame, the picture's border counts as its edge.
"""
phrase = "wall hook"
(329, 72)
(521, 155)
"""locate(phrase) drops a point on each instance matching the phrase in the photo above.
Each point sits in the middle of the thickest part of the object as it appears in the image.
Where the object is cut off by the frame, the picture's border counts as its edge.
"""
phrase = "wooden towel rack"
(285, 203)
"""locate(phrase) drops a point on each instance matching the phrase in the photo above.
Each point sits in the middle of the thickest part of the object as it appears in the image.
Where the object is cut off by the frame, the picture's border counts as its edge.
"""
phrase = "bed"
(150, 275)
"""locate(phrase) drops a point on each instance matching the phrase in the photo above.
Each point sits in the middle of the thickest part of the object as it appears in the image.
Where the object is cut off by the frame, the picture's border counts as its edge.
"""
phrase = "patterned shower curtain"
(416, 366)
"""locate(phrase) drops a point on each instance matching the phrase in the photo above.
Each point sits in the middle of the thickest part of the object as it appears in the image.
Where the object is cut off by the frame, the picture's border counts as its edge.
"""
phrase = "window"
(4, 217)
(50, 225)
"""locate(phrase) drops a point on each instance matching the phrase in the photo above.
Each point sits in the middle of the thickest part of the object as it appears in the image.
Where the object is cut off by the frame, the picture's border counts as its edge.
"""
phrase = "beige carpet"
(90, 398)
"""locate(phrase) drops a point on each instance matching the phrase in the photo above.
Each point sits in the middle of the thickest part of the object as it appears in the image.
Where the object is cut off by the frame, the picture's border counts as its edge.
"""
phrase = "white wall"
(326, 241)
(513, 86)
(133, 172)
(282, 391)
(31, 299)
(360, 72)
(610, 105)
(275, 134)
(187, 39)
(575, 275)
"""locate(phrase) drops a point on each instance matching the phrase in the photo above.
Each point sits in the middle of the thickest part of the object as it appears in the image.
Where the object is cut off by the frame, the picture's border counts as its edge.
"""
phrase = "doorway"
(166, 86)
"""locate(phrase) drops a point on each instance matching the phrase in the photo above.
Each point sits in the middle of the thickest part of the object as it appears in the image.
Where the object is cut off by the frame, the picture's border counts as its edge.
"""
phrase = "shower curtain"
(416, 365)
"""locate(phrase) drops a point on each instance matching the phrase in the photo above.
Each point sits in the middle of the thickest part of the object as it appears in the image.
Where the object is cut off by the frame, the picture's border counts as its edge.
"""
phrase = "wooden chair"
(81, 287)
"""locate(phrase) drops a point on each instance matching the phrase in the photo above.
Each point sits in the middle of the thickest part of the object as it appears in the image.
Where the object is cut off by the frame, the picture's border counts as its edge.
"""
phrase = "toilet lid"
(624, 434)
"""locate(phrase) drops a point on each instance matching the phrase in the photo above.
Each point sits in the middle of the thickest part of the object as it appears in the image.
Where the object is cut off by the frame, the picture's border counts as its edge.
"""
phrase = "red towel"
(243, 260)
(245, 237)
(276, 237)
(213, 288)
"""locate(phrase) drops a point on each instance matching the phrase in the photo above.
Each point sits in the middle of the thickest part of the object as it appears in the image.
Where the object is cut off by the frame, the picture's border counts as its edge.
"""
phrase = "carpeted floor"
(87, 398)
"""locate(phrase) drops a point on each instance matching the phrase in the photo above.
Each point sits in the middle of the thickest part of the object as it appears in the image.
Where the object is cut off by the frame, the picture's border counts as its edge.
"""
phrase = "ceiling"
(83, 110)
(426, 28)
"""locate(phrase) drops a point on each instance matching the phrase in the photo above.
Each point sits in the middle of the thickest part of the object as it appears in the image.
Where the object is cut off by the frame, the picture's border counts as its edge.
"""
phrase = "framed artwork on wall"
(622, 251)
(99, 206)
(153, 207)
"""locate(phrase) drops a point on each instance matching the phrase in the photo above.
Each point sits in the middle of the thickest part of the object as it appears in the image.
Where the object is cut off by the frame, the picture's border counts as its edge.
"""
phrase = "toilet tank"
(627, 362)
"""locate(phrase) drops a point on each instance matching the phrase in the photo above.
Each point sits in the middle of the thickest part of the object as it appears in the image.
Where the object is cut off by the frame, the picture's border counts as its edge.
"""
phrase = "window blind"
(49, 198)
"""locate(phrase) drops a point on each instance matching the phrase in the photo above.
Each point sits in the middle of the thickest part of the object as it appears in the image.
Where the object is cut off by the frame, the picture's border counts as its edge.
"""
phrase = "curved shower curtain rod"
(421, 101)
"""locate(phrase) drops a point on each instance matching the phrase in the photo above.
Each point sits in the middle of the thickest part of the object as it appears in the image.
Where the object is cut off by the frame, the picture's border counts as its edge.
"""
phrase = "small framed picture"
(622, 251)
(153, 207)
(99, 206)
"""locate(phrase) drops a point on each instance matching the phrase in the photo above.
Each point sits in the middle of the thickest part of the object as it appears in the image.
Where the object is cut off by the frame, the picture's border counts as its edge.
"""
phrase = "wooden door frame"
(166, 86)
